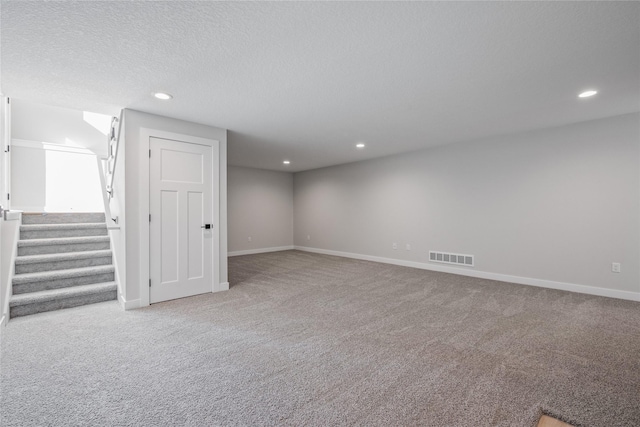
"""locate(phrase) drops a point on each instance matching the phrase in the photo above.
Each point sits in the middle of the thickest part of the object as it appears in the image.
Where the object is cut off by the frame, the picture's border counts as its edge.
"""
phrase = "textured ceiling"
(306, 81)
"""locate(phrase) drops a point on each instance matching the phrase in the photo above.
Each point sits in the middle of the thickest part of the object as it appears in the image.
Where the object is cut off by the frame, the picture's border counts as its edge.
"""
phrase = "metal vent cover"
(449, 258)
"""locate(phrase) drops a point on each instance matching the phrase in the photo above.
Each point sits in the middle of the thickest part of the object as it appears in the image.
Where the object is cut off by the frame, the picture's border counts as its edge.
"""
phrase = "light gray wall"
(135, 121)
(260, 206)
(560, 204)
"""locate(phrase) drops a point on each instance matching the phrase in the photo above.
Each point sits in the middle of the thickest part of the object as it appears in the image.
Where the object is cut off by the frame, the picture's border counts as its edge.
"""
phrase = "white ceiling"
(305, 81)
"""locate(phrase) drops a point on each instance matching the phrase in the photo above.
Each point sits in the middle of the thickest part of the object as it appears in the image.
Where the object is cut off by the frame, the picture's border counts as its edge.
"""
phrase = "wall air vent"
(449, 258)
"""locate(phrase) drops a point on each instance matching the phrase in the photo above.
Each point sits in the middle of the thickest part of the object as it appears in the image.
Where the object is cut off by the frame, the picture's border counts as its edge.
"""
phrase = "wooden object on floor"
(547, 421)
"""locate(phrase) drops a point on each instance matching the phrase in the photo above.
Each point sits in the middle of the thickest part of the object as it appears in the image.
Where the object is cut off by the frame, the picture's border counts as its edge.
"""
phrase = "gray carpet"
(59, 271)
(305, 339)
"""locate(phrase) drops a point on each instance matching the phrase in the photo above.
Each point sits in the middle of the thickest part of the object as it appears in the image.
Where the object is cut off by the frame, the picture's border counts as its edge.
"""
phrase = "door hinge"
(149, 153)
(8, 196)
(149, 217)
(8, 149)
(149, 282)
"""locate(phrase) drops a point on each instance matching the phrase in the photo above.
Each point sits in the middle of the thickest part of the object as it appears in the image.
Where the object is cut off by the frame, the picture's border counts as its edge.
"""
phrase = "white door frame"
(5, 187)
(143, 205)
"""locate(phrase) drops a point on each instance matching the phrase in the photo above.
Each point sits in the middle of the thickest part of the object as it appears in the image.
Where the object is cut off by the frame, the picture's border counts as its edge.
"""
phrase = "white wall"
(260, 206)
(559, 205)
(28, 186)
(45, 123)
(5, 155)
(117, 207)
(136, 160)
(7, 230)
(50, 180)
(48, 172)
(8, 246)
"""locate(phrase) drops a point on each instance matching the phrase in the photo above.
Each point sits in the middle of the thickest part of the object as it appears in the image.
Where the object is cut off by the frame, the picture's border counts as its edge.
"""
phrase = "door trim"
(143, 205)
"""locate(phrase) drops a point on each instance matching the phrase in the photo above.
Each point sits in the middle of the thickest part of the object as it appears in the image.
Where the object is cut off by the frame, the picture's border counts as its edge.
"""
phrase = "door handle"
(207, 226)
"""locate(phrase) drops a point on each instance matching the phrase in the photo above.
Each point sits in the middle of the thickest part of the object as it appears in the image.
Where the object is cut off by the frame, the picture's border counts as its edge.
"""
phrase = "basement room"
(221, 213)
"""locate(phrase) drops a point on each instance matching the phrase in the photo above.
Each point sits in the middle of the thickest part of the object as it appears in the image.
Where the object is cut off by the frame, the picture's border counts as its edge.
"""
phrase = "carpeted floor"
(306, 339)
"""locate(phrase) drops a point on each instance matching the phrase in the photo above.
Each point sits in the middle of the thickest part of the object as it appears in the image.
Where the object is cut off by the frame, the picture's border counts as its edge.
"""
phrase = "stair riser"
(61, 265)
(21, 288)
(62, 218)
(58, 249)
(25, 310)
(52, 234)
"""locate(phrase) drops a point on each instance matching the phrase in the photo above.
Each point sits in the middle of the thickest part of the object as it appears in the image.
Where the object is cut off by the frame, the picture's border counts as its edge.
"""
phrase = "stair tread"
(64, 213)
(62, 240)
(62, 274)
(64, 226)
(62, 217)
(64, 256)
(42, 296)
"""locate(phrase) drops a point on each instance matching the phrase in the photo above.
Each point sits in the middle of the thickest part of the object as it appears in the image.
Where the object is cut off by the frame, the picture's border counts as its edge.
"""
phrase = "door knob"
(207, 226)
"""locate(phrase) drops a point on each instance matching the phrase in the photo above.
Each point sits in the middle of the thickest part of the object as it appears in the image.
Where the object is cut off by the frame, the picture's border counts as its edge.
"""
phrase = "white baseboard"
(571, 287)
(29, 209)
(261, 251)
(133, 304)
(128, 305)
(55, 146)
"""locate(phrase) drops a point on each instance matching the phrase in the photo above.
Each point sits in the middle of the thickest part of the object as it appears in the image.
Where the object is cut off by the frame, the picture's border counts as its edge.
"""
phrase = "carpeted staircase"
(64, 260)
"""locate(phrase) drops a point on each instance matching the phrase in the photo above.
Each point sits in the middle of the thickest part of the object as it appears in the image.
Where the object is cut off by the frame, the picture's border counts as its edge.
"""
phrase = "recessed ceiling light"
(587, 93)
(360, 145)
(286, 162)
(162, 95)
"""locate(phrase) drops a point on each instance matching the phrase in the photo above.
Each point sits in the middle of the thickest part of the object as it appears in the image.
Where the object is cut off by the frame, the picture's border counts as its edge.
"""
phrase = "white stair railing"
(113, 141)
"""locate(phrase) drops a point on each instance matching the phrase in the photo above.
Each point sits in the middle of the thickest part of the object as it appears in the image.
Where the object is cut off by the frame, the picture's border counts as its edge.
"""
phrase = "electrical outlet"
(615, 267)
(394, 246)
(249, 239)
(408, 247)
(308, 237)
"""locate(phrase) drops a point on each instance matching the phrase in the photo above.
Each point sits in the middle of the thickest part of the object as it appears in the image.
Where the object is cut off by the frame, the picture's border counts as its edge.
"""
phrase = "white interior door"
(180, 204)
